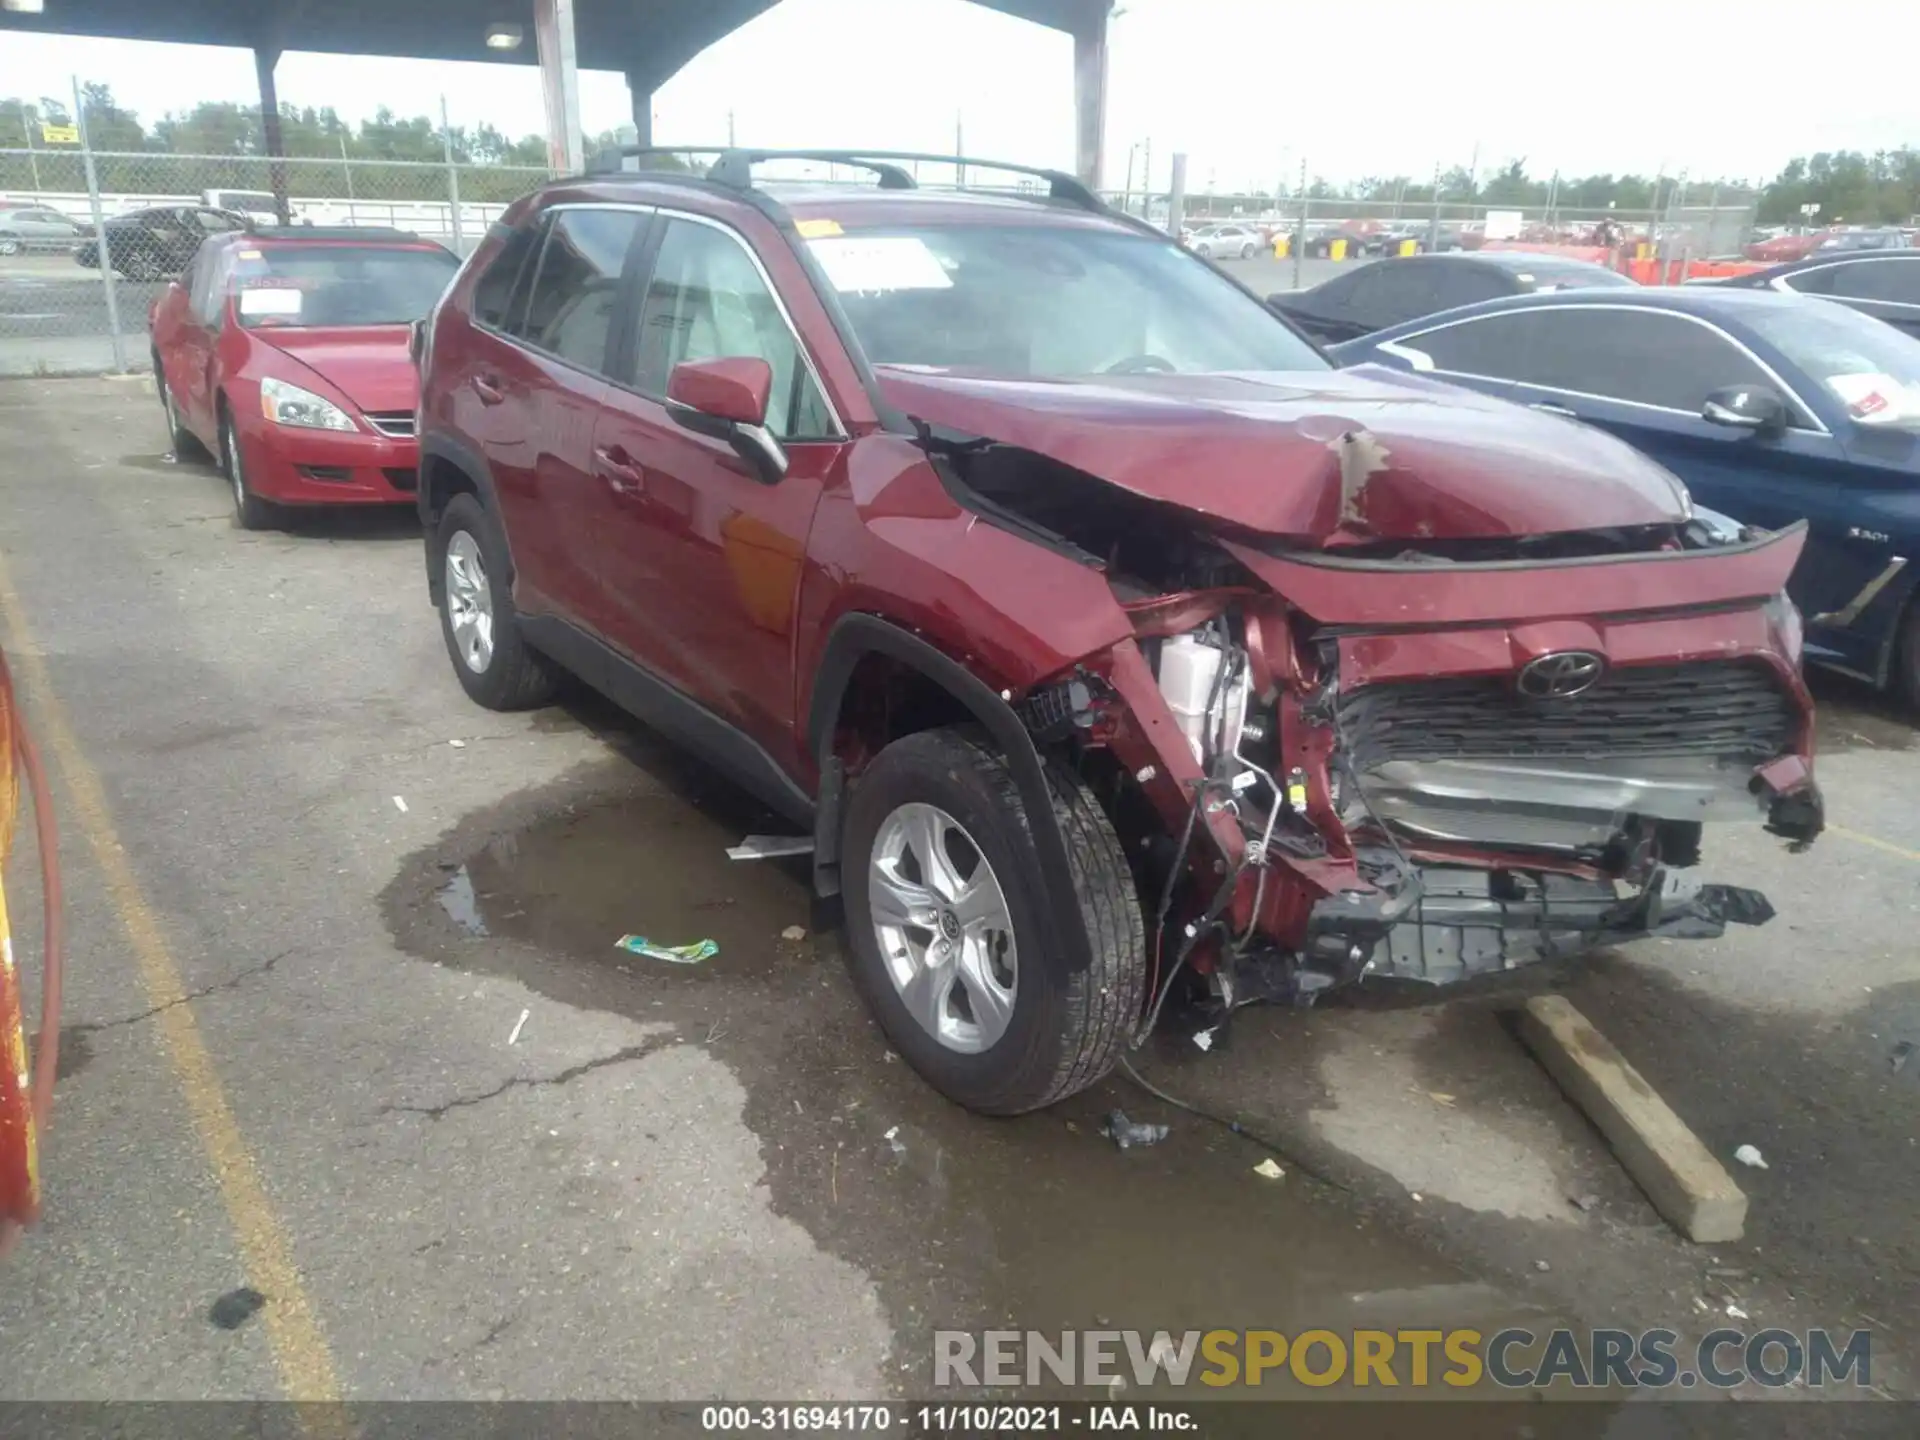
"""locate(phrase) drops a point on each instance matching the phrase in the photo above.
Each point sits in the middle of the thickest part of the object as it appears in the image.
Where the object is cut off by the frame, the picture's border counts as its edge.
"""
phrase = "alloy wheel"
(944, 928)
(469, 602)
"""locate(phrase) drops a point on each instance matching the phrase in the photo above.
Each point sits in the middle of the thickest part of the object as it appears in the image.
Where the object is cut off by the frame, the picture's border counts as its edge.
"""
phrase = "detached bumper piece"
(1466, 923)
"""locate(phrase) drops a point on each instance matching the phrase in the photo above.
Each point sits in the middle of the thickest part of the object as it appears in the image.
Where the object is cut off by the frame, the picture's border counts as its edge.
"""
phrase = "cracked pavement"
(715, 1180)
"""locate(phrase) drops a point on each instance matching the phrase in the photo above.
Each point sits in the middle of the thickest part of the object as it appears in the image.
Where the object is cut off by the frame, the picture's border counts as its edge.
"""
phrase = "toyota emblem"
(1561, 676)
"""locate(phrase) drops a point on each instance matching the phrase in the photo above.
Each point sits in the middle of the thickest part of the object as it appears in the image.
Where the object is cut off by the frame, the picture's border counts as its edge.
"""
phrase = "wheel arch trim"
(856, 636)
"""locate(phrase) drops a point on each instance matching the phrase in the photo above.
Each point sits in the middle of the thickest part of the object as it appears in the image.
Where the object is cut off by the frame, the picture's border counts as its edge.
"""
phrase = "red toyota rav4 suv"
(1106, 638)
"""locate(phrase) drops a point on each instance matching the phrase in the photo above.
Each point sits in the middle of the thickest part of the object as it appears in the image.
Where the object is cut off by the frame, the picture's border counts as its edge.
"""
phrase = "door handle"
(1547, 408)
(487, 390)
(618, 468)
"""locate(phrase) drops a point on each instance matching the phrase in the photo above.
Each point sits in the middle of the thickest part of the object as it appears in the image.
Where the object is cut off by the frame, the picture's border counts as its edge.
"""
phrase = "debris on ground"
(1542, 1266)
(1749, 1155)
(1440, 1097)
(518, 1026)
(1269, 1169)
(236, 1307)
(794, 932)
(1583, 1202)
(768, 847)
(1901, 1054)
(892, 1137)
(1734, 1312)
(400, 803)
(1126, 1134)
(1204, 1039)
(458, 744)
(673, 954)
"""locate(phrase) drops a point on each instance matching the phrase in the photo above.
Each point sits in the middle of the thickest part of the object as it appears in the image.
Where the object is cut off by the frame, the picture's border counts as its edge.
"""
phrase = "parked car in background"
(1882, 283)
(1388, 292)
(158, 243)
(25, 228)
(284, 354)
(1017, 555)
(1773, 408)
(1221, 242)
(1779, 249)
(1844, 240)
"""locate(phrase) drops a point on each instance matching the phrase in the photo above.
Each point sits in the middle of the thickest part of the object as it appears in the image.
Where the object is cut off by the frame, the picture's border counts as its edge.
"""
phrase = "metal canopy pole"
(1090, 97)
(560, 84)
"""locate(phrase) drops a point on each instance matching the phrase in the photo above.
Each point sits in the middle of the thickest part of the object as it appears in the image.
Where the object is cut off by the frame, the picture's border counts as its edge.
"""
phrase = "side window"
(1343, 296)
(1897, 281)
(200, 284)
(493, 294)
(1499, 346)
(1640, 355)
(1817, 281)
(706, 301)
(569, 310)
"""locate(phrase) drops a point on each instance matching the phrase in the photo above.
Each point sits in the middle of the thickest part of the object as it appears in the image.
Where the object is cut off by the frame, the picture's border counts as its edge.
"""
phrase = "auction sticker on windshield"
(260, 300)
(864, 263)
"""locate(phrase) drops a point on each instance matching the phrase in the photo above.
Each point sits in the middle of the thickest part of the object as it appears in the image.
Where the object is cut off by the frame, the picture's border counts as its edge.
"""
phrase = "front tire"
(946, 918)
(497, 668)
(10, 247)
(250, 512)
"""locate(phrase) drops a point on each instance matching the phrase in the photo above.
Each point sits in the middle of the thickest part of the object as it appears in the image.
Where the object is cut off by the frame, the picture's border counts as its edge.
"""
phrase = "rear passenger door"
(534, 388)
(702, 559)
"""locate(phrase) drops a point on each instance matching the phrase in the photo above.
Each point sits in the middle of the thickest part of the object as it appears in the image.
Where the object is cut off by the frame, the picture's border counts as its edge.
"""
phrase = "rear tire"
(1906, 658)
(1038, 1031)
(496, 667)
(250, 512)
(183, 440)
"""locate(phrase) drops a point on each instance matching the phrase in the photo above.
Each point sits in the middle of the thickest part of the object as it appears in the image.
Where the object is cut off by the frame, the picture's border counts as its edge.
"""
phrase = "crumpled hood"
(1337, 457)
(367, 364)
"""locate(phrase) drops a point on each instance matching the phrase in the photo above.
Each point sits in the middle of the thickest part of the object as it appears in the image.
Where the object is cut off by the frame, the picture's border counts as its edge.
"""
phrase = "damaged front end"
(1411, 704)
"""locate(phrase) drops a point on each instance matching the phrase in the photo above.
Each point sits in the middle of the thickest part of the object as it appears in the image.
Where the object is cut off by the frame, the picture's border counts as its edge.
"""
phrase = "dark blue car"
(1771, 407)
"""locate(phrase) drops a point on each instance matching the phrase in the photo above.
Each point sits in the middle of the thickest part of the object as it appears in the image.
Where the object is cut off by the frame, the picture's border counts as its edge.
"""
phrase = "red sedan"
(283, 354)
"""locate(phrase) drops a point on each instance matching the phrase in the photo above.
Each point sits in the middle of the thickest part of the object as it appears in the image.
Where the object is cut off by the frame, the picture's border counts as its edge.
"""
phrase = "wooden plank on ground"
(1679, 1174)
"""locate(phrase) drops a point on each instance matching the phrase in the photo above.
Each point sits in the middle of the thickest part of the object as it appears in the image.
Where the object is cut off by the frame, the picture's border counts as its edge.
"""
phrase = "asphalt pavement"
(347, 1027)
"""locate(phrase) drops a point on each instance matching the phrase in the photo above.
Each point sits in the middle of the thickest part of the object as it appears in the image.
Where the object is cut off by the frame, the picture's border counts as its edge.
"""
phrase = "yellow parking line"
(293, 1330)
(1876, 842)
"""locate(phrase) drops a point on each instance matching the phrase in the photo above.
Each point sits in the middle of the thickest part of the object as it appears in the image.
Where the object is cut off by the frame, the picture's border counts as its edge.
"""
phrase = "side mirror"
(727, 399)
(1745, 407)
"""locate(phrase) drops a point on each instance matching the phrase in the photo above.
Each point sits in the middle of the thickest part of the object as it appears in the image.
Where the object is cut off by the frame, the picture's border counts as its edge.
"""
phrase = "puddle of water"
(960, 1219)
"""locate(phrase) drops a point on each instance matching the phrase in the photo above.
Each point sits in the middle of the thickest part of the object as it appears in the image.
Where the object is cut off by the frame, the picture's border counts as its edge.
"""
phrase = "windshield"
(1866, 364)
(1028, 300)
(338, 284)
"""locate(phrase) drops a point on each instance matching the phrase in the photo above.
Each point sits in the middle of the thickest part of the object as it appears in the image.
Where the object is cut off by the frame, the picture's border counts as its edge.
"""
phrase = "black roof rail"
(734, 167)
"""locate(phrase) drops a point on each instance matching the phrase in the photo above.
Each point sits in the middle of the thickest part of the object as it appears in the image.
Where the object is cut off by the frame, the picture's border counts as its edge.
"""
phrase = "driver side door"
(702, 557)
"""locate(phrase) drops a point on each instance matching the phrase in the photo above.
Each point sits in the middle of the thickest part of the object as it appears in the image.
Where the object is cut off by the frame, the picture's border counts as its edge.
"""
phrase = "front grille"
(1728, 709)
(397, 424)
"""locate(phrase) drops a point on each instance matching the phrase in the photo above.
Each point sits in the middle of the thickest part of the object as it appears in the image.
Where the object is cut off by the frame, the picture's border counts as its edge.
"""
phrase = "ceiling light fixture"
(505, 37)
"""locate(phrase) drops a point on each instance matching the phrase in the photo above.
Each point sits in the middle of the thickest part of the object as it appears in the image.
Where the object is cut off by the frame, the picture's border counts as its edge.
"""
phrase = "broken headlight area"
(1309, 833)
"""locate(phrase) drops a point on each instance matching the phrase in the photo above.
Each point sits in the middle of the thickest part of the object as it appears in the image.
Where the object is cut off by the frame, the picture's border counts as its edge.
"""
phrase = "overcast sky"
(1247, 87)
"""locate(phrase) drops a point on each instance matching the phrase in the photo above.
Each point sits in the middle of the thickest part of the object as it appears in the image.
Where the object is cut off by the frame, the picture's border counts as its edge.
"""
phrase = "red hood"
(367, 364)
(1347, 455)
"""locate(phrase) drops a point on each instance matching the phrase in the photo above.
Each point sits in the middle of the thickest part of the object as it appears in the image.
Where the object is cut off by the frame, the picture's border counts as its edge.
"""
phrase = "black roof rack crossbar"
(734, 167)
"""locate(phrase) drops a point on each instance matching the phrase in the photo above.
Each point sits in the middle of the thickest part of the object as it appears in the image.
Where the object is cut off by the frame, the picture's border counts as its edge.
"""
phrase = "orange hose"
(46, 1057)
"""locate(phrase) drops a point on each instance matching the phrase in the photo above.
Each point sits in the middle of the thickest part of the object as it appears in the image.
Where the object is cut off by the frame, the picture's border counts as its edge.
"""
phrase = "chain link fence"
(64, 311)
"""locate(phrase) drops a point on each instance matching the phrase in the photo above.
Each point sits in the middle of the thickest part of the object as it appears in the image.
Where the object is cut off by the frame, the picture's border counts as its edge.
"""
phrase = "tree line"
(1848, 186)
